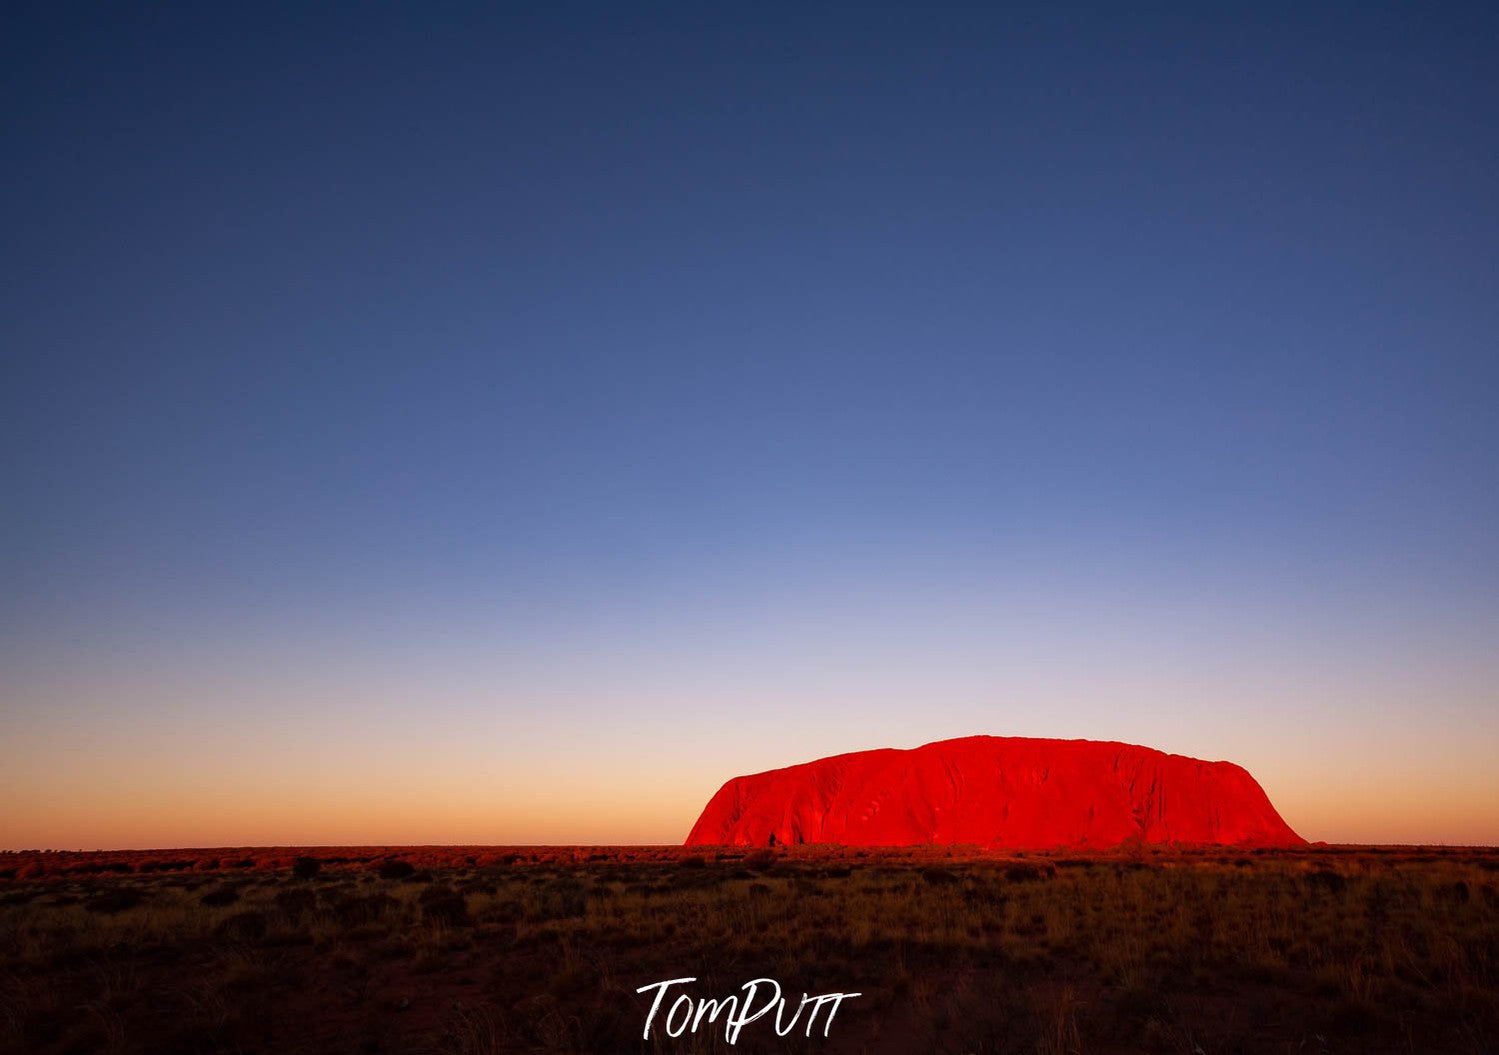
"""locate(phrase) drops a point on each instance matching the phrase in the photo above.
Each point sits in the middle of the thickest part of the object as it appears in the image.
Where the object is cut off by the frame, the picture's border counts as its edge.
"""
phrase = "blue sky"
(697, 391)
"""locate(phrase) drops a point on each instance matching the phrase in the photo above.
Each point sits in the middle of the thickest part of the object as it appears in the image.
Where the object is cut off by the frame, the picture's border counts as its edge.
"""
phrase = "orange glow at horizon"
(98, 817)
(419, 747)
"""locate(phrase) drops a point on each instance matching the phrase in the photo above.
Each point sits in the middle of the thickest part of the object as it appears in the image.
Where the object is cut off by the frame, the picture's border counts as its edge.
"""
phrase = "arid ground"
(525, 949)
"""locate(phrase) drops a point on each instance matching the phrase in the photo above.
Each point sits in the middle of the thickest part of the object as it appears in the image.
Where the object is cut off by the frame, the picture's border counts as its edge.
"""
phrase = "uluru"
(998, 791)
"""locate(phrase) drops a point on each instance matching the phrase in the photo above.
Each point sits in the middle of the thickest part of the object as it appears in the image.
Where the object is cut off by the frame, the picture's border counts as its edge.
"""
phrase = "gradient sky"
(429, 425)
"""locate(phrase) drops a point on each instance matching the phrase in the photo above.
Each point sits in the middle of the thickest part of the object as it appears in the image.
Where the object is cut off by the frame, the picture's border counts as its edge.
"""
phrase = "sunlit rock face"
(997, 791)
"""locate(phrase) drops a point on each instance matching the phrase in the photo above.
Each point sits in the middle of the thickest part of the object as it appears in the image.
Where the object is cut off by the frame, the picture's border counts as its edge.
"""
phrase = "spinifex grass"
(473, 950)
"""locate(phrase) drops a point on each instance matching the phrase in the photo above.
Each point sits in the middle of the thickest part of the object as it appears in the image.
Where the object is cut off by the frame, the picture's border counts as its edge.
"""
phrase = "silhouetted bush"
(242, 926)
(165, 866)
(1328, 880)
(112, 901)
(760, 860)
(504, 912)
(306, 867)
(561, 899)
(224, 895)
(442, 904)
(295, 902)
(397, 870)
(570, 981)
(353, 910)
(1030, 871)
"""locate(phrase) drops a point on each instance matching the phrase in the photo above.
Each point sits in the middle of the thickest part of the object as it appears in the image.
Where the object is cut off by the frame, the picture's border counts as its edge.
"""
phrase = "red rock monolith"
(997, 791)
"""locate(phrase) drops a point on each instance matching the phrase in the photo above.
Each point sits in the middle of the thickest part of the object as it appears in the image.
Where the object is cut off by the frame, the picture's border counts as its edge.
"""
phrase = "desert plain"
(473, 950)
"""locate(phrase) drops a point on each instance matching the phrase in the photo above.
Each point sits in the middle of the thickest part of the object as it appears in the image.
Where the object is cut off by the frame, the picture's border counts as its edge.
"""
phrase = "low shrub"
(397, 870)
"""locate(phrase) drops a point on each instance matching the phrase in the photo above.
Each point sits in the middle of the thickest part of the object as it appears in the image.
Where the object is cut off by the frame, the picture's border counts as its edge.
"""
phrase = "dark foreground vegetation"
(474, 950)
